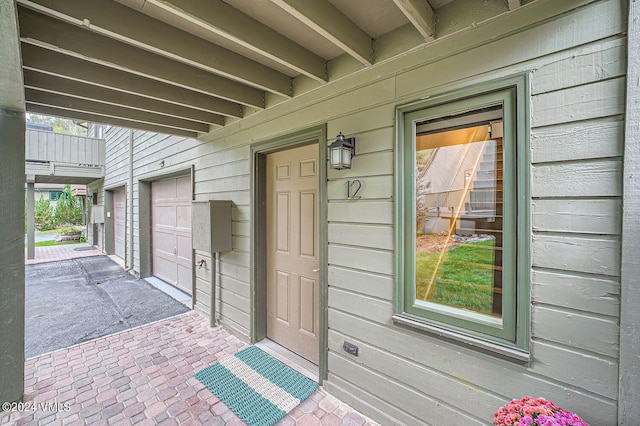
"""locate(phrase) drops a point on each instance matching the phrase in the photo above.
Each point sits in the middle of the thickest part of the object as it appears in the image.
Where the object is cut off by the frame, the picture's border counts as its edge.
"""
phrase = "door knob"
(316, 270)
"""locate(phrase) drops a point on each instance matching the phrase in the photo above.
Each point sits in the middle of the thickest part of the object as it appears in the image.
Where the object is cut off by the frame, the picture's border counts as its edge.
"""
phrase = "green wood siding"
(405, 376)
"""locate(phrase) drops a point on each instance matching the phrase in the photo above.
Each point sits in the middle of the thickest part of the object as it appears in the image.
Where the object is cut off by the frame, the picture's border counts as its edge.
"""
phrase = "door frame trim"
(258, 284)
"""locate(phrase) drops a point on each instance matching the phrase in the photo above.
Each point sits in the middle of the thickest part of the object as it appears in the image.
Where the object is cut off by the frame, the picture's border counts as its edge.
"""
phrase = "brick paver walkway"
(145, 376)
(63, 252)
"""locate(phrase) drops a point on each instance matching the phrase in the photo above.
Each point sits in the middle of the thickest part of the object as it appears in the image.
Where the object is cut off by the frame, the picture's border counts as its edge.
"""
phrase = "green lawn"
(50, 231)
(56, 231)
(464, 278)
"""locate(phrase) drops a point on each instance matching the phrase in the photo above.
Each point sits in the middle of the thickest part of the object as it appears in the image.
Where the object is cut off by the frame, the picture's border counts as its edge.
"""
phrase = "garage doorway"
(171, 231)
(119, 223)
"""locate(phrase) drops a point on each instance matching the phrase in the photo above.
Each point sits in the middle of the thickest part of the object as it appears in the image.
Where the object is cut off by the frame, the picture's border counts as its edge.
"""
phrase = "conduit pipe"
(131, 239)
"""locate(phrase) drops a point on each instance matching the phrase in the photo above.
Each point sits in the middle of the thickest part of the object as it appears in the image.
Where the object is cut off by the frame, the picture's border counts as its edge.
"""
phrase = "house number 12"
(351, 193)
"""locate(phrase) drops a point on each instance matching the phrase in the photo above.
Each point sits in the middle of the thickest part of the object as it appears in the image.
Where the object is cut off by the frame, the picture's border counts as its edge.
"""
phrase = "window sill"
(511, 354)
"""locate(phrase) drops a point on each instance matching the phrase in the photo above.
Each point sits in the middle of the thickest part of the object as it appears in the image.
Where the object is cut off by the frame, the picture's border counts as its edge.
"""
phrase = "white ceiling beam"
(54, 63)
(228, 22)
(96, 118)
(325, 19)
(39, 97)
(62, 37)
(421, 15)
(119, 22)
(63, 86)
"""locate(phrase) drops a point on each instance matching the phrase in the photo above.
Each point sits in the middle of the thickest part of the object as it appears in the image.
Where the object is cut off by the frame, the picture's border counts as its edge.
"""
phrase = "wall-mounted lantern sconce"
(341, 152)
(162, 163)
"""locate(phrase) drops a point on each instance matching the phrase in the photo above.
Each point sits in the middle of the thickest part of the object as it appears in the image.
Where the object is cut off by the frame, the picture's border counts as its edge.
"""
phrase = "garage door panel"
(164, 190)
(119, 223)
(183, 188)
(165, 216)
(171, 221)
(184, 275)
(164, 242)
(183, 217)
(183, 247)
(165, 269)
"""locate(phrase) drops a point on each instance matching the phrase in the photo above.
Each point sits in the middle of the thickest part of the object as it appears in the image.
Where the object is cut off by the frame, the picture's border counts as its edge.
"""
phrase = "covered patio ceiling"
(186, 67)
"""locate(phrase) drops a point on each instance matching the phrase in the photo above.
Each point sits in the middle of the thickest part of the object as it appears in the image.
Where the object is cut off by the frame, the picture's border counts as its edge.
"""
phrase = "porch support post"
(629, 373)
(31, 220)
(12, 131)
(12, 135)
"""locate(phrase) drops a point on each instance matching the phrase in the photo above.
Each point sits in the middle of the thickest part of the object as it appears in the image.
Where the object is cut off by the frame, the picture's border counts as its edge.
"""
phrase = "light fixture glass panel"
(346, 157)
(335, 156)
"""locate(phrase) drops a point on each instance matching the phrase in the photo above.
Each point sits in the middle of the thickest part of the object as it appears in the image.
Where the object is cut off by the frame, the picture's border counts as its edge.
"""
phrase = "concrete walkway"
(145, 376)
(62, 252)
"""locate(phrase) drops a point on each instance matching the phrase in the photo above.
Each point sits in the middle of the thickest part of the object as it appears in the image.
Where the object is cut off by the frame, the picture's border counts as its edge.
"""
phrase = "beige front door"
(293, 287)
(171, 226)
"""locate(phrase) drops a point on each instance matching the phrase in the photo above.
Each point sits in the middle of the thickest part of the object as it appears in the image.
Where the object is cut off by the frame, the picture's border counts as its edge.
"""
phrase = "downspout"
(130, 268)
(214, 275)
(193, 251)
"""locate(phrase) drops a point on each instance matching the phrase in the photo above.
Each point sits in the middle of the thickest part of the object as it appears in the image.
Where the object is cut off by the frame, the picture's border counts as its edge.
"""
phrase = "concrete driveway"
(42, 237)
(73, 301)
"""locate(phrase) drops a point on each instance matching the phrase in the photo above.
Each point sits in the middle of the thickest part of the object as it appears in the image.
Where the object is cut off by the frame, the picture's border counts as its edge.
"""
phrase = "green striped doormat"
(257, 388)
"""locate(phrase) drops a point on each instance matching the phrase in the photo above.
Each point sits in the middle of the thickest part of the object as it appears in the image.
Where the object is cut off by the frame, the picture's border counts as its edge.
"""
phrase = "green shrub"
(69, 209)
(44, 216)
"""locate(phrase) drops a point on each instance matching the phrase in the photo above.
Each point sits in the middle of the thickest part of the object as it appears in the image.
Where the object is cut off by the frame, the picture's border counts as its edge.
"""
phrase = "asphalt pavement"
(73, 301)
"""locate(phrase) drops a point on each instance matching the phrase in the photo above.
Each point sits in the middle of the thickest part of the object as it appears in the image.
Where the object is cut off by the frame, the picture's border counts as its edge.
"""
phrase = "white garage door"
(119, 223)
(171, 224)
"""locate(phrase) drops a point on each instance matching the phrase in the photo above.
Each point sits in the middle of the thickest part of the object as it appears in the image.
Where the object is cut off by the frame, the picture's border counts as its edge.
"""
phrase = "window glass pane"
(459, 219)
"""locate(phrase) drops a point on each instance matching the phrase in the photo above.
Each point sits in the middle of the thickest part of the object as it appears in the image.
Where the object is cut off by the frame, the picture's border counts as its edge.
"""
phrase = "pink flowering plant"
(530, 411)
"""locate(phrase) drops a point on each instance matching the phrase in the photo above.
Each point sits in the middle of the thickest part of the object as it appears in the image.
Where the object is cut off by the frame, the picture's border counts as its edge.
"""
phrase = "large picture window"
(463, 229)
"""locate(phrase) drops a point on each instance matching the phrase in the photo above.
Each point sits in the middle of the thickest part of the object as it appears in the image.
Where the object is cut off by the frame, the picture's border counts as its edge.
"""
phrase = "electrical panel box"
(211, 226)
(97, 214)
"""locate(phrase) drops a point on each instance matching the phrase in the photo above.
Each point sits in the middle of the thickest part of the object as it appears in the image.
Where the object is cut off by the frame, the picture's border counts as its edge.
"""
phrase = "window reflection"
(459, 211)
